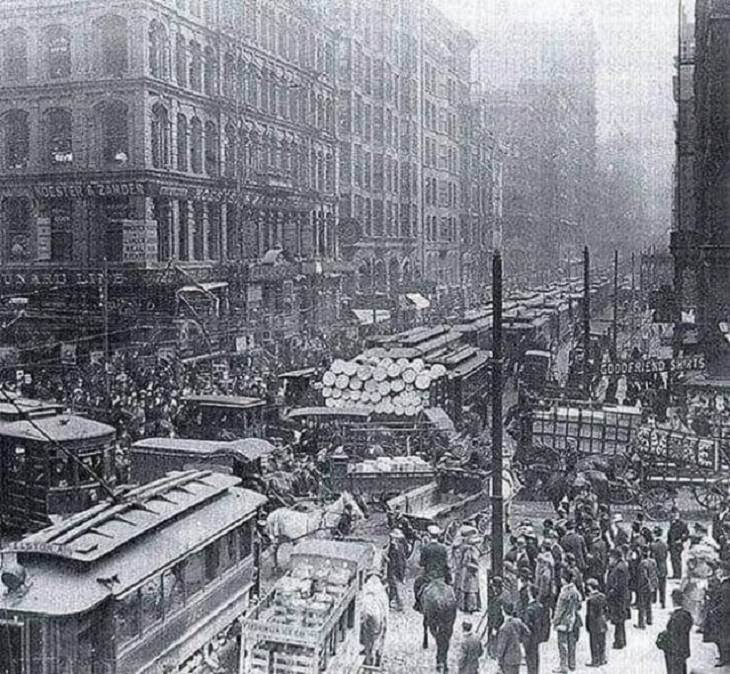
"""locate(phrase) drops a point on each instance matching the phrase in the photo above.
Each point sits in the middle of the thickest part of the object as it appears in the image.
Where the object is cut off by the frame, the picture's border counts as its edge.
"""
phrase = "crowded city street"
(364, 337)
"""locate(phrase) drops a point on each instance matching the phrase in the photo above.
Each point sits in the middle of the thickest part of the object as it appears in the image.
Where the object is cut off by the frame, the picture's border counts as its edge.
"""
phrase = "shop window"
(211, 71)
(151, 602)
(196, 66)
(16, 213)
(111, 212)
(60, 214)
(113, 45)
(114, 133)
(182, 143)
(181, 60)
(196, 145)
(15, 54)
(159, 51)
(199, 228)
(59, 127)
(182, 238)
(173, 589)
(160, 127)
(211, 148)
(163, 216)
(127, 618)
(17, 144)
(59, 52)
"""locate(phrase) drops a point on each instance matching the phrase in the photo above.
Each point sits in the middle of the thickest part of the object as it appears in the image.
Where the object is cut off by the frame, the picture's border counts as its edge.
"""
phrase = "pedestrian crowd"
(585, 574)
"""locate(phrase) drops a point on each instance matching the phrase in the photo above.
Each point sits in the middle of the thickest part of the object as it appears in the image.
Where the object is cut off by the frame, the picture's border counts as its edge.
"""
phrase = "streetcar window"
(17, 465)
(127, 618)
(228, 550)
(173, 589)
(95, 464)
(195, 574)
(61, 470)
(212, 560)
(151, 599)
(245, 539)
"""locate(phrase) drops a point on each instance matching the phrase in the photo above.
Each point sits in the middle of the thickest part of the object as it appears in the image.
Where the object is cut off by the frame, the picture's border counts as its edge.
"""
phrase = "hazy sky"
(637, 41)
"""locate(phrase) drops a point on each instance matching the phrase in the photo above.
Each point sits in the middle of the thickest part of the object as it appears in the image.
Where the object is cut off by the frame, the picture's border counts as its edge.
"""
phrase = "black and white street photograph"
(364, 336)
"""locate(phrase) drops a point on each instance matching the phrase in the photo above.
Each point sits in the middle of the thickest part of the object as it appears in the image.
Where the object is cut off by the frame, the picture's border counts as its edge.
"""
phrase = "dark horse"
(437, 601)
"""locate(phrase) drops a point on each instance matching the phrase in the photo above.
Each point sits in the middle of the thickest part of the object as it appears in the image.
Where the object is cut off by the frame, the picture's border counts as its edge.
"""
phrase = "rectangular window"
(16, 218)
(151, 602)
(367, 176)
(378, 176)
(195, 574)
(245, 540)
(127, 618)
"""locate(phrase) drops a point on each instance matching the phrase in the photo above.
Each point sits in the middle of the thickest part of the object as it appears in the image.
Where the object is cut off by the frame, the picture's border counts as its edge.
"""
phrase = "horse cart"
(456, 497)
(309, 622)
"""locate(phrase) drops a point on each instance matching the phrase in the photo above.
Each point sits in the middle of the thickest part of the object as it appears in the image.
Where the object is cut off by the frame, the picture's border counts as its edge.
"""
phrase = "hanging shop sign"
(621, 368)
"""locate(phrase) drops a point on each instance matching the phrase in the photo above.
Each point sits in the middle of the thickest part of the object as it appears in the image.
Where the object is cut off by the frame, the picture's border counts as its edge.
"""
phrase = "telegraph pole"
(586, 317)
(105, 309)
(497, 420)
(615, 305)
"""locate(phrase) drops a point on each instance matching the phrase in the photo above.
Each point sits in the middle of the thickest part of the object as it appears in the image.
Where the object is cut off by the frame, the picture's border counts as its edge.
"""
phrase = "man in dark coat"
(537, 619)
(509, 641)
(596, 623)
(660, 552)
(676, 649)
(471, 651)
(719, 617)
(396, 568)
(434, 558)
(617, 596)
(572, 542)
(647, 584)
(677, 536)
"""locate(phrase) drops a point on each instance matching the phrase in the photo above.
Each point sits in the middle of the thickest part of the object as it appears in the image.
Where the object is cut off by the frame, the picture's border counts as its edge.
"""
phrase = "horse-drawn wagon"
(309, 622)
(454, 498)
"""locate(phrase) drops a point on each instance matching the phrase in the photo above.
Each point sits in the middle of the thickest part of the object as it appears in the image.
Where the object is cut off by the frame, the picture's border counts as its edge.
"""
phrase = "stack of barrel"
(389, 386)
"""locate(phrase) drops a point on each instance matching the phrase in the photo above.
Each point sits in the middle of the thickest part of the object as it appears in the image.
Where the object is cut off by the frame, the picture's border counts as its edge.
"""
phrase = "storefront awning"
(419, 301)
(370, 316)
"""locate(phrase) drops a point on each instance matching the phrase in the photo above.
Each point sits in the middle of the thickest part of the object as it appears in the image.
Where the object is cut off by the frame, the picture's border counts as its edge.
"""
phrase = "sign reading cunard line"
(621, 368)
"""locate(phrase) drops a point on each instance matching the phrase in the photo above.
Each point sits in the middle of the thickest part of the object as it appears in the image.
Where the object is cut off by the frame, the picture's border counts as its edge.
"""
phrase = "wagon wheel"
(620, 493)
(710, 495)
(656, 502)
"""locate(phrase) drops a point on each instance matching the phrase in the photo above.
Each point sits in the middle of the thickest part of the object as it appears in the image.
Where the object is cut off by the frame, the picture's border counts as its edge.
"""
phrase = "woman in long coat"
(469, 594)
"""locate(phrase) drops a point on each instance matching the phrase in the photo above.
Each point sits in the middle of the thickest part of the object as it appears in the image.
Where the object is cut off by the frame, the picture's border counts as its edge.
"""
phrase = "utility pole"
(497, 420)
(105, 310)
(615, 305)
(633, 295)
(586, 318)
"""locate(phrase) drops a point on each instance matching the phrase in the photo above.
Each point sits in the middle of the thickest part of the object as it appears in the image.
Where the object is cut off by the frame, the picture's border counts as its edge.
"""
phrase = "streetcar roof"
(56, 428)
(114, 547)
(225, 401)
(249, 449)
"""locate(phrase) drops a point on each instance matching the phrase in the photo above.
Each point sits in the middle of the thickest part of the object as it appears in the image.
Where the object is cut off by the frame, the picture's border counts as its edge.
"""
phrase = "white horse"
(287, 525)
(374, 620)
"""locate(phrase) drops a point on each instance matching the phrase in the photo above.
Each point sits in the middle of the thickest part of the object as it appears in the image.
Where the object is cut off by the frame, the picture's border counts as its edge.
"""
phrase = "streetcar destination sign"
(618, 368)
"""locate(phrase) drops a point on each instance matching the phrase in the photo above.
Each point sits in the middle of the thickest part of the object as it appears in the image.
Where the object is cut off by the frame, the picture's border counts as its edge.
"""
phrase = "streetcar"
(52, 464)
(150, 583)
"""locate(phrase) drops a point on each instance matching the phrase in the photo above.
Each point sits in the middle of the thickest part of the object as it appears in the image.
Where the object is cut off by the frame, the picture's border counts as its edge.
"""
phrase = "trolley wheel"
(621, 494)
(451, 530)
(656, 502)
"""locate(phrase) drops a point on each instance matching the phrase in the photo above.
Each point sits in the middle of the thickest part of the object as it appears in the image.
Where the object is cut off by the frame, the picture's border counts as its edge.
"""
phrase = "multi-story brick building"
(168, 135)
(403, 76)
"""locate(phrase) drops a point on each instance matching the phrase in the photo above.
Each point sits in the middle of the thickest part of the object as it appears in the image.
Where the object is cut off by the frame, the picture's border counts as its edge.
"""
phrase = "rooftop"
(59, 428)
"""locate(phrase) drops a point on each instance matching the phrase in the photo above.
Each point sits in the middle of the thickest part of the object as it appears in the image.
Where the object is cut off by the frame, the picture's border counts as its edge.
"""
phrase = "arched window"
(59, 136)
(265, 90)
(113, 45)
(159, 51)
(181, 60)
(329, 116)
(196, 145)
(211, 71)
(58, 55)
(294, 105)
(211, 148)
(229, 74)
(17, 139)
(230, 150)
(15, 54)
(114, 132)
(182, 143)
(196, 66)
(160, 127)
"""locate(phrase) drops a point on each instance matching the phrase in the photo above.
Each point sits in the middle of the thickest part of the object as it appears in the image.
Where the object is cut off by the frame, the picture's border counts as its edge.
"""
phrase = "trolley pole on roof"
(586, 318)
(497, 419)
